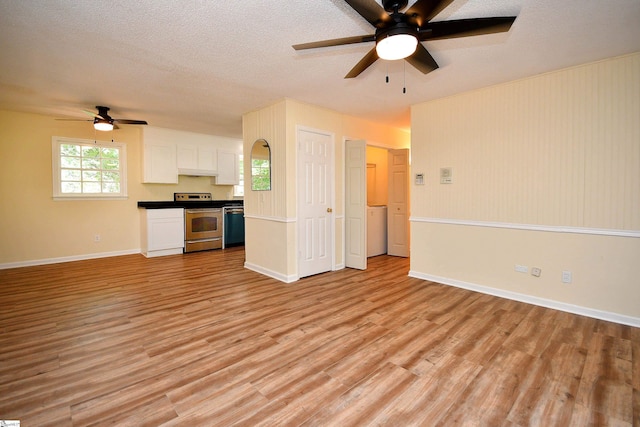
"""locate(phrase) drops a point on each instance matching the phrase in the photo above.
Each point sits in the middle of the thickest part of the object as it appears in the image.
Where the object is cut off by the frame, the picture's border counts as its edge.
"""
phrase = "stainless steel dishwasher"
(233, 226)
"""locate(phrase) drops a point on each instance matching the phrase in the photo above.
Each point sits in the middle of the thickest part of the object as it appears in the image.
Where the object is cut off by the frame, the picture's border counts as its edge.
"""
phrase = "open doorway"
(376, 202)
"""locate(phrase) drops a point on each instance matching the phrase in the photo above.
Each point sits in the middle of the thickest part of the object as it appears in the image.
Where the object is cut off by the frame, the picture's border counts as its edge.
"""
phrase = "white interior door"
(398, 203)
(356, 204)
(315, 203)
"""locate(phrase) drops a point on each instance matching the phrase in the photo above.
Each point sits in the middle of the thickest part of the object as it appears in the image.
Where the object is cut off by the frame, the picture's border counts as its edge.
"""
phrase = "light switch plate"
(446, 176)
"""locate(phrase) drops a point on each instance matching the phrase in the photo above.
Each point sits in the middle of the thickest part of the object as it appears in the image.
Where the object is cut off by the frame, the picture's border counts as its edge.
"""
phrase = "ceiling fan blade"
(92, 114)
(335, 42)
(371, 11)
(130, 122)
(465, 27)
(422, 60)
(364, 63)
(424, 11)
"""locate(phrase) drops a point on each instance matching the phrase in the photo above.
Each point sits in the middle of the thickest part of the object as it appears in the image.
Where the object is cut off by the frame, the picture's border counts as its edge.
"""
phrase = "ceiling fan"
(103, 121)
(398, 35)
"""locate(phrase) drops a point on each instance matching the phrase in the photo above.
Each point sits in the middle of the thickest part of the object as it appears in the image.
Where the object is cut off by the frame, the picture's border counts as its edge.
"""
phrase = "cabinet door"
(227, 168)
(207, 159)
(165, 229)
(187, 156)
(159, 163)
(197, 159)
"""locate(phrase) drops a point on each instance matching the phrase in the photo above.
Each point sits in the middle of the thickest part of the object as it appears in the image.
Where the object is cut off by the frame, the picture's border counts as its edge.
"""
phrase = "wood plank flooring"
(196, 340)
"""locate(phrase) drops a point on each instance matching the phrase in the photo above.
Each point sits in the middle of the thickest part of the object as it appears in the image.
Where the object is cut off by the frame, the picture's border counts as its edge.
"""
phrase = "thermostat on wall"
(446, 176)
(419, 179)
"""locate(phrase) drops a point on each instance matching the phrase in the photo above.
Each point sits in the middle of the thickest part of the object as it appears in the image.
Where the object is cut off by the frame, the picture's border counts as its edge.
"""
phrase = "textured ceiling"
(199, 65)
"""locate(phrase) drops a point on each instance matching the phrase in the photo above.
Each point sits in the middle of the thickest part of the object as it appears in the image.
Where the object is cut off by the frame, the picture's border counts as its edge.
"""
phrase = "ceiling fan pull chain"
(387, 71)
(404, 77)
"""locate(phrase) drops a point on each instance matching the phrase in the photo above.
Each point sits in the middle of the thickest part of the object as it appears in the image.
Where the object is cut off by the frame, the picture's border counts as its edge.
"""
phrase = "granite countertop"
(189, 204)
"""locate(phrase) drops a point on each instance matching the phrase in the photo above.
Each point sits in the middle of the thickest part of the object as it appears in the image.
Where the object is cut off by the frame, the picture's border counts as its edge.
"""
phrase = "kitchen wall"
(36, 229)
(271, 245)
(546, 173)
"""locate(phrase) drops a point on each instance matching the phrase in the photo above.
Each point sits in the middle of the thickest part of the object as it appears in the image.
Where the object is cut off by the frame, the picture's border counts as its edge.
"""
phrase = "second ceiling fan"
(103, 121)
(398, 35)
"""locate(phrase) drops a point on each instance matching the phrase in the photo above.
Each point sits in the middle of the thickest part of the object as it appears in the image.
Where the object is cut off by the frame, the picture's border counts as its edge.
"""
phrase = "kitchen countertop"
(189, 205)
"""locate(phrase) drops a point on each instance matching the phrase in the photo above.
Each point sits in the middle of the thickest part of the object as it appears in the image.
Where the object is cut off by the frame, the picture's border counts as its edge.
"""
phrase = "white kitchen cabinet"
(187, 156)
(168, 153)
(162, 231)
(228, 163)
(208, 159)
(197, 159)
(159, 162)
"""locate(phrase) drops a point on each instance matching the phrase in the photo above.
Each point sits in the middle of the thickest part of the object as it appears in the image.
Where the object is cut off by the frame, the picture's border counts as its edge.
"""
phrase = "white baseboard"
(164, 252)
(45, 261)
(556, 305)
(270, 273)
(281, 277)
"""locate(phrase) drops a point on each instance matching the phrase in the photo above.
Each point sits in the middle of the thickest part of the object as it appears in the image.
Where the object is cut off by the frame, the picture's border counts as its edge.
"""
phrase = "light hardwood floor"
(196, 340)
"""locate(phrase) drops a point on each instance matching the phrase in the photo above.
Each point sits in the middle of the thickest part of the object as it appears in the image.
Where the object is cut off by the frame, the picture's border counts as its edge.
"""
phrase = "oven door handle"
(203, 240)
(196, 211)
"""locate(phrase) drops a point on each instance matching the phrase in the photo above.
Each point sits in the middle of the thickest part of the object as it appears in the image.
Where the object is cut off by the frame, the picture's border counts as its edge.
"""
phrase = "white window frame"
(57, 141)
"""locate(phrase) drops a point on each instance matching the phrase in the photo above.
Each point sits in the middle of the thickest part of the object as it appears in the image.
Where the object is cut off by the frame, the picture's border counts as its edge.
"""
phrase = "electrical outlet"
(535, 271)
(566, 276)
(521, 268)
(96, 237)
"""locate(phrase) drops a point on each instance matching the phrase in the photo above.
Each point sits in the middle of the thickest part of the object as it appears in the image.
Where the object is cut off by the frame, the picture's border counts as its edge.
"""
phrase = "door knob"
(329, 210)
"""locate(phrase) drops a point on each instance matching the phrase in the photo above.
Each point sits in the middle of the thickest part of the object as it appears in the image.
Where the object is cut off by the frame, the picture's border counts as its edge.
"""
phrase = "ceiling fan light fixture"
(396, 46)
(102, 124)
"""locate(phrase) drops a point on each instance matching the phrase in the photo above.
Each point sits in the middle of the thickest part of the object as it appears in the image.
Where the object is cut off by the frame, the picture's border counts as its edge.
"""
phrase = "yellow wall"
(378, 181)
(278, 124)
(546, 173)
(35, 229)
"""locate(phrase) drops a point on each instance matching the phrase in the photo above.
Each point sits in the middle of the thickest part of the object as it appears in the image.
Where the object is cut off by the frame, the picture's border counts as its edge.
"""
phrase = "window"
(238, 190)
(260, 174)
(87, 169)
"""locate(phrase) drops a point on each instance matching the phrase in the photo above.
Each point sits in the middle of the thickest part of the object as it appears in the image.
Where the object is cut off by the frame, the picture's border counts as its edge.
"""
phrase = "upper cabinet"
(159, 159)
(197, 159)
(169, 153)
(228, 164)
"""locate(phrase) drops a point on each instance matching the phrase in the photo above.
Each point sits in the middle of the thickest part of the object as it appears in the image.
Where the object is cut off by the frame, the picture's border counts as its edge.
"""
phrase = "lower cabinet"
(162, 231)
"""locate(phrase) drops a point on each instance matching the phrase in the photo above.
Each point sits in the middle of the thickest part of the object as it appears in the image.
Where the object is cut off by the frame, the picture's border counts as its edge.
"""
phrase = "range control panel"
(186, 197)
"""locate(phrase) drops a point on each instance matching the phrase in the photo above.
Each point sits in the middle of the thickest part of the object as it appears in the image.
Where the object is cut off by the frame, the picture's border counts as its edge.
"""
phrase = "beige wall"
(278, 124)
(34, 228)
(377, 176)
(265, 211)
(546, 173)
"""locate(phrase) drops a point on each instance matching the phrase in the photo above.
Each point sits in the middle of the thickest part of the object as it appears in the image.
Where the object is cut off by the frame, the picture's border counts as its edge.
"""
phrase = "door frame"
(332, 192)
(344, 190)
